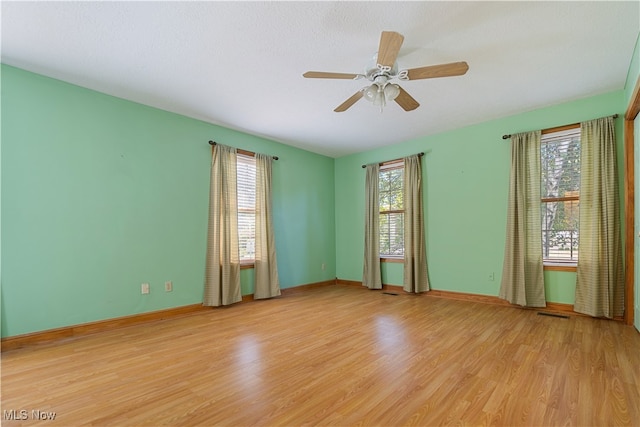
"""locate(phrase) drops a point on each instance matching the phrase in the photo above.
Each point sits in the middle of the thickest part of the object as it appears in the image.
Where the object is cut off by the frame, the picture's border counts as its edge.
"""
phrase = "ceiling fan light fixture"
(391, 91)
(371, 93)
(380, 100)
(380, 92)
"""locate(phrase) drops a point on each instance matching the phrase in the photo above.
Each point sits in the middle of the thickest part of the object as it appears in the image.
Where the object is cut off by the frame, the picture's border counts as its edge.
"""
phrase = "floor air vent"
(562, 316)
(390, 293)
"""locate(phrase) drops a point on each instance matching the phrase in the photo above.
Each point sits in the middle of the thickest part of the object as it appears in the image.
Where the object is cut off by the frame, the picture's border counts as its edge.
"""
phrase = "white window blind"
(390, 190)
(246, 170)
(560, 190)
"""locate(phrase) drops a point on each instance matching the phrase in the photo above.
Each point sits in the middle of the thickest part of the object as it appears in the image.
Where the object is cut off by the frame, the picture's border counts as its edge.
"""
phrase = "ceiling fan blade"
(390, 43)
(406, 101)
(324, 75)
(349, 102)
(442, 70)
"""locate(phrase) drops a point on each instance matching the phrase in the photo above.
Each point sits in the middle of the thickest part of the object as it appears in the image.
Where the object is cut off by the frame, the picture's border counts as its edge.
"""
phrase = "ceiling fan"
(382, 69)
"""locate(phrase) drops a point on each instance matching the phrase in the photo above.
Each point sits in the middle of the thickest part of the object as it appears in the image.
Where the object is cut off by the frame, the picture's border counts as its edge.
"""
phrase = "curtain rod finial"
(212, 142)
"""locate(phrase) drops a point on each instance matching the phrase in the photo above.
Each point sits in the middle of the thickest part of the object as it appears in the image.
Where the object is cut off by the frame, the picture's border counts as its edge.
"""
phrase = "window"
(390, 189)
(246, 172)
(560, 190)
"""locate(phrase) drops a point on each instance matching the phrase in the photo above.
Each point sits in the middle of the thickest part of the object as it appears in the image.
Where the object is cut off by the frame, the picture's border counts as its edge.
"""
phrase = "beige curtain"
(522, 271)
(415, 257)
(222, 275)
(371, 277)
(600, 280)
(267, 284)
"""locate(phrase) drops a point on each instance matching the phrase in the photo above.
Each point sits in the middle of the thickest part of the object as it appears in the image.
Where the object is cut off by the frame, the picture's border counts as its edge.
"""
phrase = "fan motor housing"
(374, 70)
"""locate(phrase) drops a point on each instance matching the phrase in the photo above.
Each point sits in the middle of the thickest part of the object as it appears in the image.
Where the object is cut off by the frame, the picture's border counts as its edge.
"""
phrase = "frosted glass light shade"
(371, 93)
(379, 99)
(391, 91)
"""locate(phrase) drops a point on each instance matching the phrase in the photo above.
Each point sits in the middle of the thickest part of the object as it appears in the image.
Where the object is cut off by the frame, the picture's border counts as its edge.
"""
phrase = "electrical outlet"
(144, 288)
(168, 286)
(323, 266)
(491, 277)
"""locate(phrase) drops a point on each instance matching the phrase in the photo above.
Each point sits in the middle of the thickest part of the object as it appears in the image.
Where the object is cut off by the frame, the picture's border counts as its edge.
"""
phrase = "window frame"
(556, 264)
(247, 158)
(386, 166)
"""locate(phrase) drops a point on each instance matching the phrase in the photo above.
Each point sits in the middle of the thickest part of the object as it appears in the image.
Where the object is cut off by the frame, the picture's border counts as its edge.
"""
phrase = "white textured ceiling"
(240, 64)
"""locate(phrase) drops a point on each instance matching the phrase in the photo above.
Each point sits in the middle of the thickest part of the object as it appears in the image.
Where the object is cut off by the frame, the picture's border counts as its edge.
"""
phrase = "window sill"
(560, 267)
(246, 264)
(392, 259)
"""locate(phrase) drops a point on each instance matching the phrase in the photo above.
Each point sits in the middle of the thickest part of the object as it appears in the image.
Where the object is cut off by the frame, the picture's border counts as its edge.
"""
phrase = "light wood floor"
(337, 355)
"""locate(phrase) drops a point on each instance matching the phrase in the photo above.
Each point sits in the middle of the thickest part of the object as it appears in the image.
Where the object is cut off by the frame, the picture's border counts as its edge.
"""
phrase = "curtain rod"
(394, 160)
(241, 151)
(615, 116)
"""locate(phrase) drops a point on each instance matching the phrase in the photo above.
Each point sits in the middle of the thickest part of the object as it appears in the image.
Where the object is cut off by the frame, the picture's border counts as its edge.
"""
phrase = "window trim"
(247, 262)
(387, 258)
(559, 265)
(387, 166)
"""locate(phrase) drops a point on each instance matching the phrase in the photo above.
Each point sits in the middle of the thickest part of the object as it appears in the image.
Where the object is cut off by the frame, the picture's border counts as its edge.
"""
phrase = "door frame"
(629, 202)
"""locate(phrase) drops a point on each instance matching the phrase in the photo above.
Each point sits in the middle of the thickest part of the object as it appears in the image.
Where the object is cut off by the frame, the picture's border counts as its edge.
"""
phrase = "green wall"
(100, 195)
(466, 179)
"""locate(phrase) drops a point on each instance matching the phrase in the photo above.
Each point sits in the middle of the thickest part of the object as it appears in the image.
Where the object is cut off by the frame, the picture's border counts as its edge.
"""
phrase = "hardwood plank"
(336, 355)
